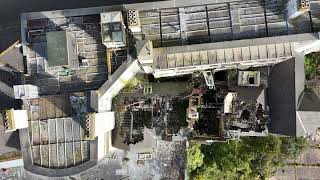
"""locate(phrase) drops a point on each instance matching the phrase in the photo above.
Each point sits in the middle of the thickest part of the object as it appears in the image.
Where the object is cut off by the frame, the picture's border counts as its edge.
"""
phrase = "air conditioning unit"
(134, 21)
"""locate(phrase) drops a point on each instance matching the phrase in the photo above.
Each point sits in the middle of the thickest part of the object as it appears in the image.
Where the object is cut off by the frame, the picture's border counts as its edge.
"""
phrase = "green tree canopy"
(194, 157)
(311, 64)
(248, 158)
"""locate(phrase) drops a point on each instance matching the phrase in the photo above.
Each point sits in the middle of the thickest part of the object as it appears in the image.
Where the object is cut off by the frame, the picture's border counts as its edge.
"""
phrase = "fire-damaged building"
(137, 81)
(232, 105)
(203, 106)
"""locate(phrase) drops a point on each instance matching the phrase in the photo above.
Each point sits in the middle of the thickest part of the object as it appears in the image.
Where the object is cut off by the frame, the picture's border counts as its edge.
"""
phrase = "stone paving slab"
(45, 155)
(44, 132)
(311, 157)
(85, 150)
(77, 153)
(35, 131)
(69, 154)
(36, 155)
(61, 155)
(53, 156)
(61, 130)
(68, 130)
(76, 129)
(52, 131)
(298, 172)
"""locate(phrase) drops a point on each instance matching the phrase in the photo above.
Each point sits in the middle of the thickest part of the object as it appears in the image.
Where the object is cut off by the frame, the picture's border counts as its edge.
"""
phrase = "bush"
(311, 64)
(293, 147)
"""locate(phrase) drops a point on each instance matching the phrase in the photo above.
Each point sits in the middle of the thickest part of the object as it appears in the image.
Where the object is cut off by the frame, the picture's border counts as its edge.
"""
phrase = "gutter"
(11, 164)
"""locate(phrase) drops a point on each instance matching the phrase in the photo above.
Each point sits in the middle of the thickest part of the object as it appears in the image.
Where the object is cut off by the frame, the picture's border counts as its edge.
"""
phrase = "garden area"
(247, 158)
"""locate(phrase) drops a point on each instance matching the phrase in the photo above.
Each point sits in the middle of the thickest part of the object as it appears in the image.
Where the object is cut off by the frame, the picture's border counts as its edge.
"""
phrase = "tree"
(209, 172)
(248, 158)
(194, 157)
(227, 158)
(264, 150)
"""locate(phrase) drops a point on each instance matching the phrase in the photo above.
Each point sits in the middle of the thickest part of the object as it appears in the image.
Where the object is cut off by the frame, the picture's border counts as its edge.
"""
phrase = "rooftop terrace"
(56, 133)
(91, 72)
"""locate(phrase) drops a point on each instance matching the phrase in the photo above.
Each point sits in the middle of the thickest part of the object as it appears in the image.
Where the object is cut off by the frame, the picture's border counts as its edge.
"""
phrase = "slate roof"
(281, 98)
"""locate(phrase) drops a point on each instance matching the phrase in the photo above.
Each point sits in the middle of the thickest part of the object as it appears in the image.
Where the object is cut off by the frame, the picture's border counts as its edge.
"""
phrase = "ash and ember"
(165, 114)
(247, 115)
(168, 113)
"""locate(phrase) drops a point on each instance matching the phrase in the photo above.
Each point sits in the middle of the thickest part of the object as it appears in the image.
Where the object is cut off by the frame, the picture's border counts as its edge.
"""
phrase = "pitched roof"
(281, 98)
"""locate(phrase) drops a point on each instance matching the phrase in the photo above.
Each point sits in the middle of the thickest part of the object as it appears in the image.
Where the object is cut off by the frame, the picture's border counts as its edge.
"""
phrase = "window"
(251, 80)
(116, 26)
(147, 89)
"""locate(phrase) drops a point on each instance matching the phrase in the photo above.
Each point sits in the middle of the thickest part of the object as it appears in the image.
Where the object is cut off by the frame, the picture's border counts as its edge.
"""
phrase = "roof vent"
(134, 21)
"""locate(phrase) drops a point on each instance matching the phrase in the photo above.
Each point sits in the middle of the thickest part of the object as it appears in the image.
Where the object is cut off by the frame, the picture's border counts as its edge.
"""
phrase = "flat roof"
(57, 48)
(87, 56)
(172, 23)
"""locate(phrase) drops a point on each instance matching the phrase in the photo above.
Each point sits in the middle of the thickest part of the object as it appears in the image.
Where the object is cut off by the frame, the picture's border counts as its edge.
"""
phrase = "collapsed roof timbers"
(247, 116)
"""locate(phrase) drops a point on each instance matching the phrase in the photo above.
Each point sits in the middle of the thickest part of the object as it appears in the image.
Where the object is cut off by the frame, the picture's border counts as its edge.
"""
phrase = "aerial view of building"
(120, 92)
